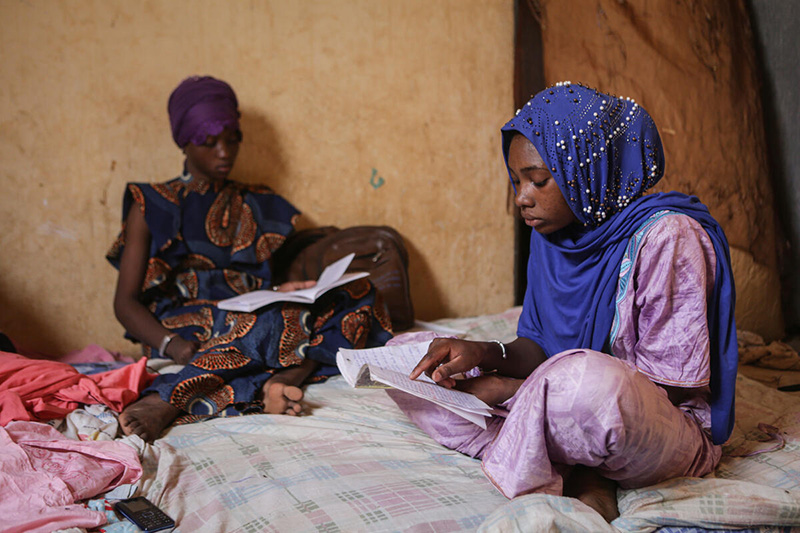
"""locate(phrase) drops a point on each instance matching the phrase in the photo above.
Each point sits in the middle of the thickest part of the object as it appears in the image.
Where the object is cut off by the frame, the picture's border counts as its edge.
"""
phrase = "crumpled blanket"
(754, 350)
(43, 474)
(681, 502)
(37, 390)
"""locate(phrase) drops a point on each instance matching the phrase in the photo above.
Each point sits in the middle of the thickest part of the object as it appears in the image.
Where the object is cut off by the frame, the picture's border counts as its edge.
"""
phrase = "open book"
(389, 366)
(333, 276)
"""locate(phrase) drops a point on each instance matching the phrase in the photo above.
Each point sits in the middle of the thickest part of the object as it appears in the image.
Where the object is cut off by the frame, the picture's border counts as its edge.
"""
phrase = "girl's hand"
(290, 286)
(181, 351)
(448, 357)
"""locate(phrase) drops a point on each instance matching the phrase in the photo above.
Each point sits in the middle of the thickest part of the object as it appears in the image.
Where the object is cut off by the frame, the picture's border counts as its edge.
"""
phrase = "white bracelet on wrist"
(165, 342)
(502, 346)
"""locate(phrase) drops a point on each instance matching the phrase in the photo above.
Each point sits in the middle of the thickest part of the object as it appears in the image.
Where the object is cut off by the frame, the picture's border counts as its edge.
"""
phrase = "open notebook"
(333, 276)
(389, 366)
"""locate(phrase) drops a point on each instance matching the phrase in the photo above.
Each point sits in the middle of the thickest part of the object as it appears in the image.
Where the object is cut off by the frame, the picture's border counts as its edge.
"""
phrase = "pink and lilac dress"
(606, 411)
(637, 295)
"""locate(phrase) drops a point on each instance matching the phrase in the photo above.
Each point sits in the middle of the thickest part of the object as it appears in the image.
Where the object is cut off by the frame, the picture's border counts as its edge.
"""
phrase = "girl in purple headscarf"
(200, 238)
(624, 367)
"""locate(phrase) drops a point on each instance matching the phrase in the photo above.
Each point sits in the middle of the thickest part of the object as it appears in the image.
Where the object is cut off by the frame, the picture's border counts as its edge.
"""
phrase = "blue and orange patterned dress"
(211, 241)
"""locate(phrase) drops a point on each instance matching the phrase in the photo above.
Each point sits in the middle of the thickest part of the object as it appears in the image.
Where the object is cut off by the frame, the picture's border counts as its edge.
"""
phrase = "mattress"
(353, 462)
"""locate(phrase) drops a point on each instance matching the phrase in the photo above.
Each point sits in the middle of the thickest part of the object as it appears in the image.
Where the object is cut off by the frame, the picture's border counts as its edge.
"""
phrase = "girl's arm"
(448, 357)
(523, 356)
(135, 317)
(667, 335)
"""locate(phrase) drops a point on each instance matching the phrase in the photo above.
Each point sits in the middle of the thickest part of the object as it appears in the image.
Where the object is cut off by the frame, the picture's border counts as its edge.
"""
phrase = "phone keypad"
(144, 514)
(153, 519)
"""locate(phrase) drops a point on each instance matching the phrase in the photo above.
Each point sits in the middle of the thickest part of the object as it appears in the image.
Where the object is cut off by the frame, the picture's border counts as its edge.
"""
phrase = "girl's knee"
(584, 377)
(584, 364)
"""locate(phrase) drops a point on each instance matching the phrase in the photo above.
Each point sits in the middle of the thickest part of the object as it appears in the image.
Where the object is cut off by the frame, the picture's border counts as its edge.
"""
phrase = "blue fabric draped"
(573, 273)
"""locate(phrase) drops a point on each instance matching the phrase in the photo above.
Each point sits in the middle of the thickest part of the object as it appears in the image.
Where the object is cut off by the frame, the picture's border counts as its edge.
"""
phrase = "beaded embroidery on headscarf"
(604, 151)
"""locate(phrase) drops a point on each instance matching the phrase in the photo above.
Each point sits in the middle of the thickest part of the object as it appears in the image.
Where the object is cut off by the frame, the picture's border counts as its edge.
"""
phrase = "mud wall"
(692, 65)
(358, 112)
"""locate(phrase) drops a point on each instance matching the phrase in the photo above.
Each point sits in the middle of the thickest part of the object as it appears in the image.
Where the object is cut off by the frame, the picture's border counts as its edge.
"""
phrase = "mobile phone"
(144, 514)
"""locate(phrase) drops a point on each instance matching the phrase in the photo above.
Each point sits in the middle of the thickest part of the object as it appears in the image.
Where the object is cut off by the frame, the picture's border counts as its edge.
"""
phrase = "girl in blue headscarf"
(199, 238)
(624, 367)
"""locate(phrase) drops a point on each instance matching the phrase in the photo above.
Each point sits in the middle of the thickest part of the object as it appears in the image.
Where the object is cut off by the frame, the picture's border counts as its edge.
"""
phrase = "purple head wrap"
(201, 106)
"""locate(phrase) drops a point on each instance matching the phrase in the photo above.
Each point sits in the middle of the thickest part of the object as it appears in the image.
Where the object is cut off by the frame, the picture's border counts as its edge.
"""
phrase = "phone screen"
(137, 505)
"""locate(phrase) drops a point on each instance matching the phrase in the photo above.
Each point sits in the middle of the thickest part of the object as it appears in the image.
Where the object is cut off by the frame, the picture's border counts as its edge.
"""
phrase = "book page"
(391, 365)
(356, 374)
(333, 272)
(464, 405)
(250, 301)
(316, 291)
(430, 391)
(333, 276)
(401, 358)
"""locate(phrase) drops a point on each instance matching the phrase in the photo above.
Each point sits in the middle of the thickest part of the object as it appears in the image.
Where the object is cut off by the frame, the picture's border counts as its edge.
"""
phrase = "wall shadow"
(426, 296)
(28, 331)
(528, 80)
(262, 159)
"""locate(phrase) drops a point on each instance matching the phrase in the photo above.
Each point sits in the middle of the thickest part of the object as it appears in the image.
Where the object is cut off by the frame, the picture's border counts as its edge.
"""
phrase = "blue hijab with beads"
(604, 152)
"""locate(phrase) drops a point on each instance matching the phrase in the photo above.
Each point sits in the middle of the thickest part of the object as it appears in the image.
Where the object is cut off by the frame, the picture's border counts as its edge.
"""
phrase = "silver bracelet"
(165, 342)
(502, 346)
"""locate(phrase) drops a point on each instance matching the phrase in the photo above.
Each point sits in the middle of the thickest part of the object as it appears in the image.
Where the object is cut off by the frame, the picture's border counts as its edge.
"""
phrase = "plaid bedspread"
(354, 463)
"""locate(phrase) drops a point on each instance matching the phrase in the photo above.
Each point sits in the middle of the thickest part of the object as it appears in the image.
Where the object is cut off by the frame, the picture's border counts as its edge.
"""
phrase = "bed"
(353, 462)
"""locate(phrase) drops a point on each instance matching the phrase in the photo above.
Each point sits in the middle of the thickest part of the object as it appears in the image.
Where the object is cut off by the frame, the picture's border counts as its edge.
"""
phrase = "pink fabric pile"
(40, 390)
(43, 474)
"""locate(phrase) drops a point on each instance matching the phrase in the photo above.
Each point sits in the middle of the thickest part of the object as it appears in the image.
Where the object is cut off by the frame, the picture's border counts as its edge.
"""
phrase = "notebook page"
(431, 391)
(401, 358)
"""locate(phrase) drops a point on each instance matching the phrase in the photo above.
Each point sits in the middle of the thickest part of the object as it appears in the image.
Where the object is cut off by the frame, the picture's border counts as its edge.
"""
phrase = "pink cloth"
(40, 390)
(94, 354)
(90, 354)
(43, 474)
(588, 408)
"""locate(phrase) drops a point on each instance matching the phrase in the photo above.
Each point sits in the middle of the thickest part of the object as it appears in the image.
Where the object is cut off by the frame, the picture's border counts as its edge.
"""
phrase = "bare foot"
(281, 398)
(282, 392)
(594, 490)
(491, 388)
(147, 417)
